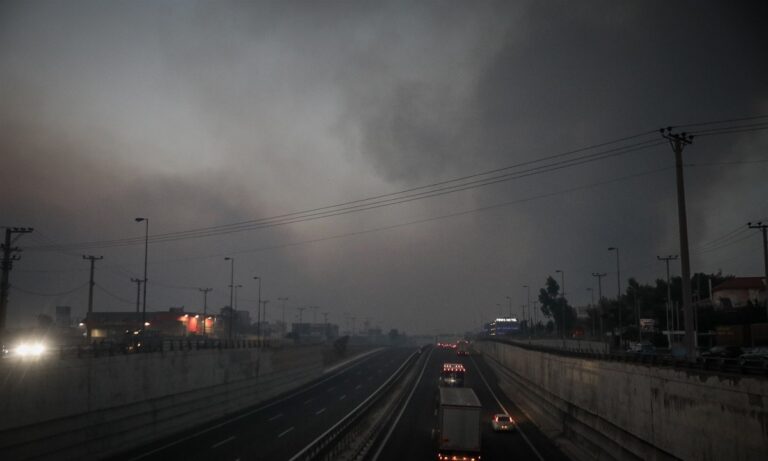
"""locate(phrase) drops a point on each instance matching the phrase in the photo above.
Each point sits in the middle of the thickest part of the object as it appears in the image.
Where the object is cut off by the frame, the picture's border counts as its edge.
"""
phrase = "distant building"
(173, 323)
(739, 292)
(315, 330)
(504, 326)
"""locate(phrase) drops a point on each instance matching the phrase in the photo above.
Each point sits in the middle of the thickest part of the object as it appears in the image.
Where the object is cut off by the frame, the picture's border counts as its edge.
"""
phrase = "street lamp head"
(257, 278)
(612, 248)
(140, 219)
(558, 271)
(227, 258)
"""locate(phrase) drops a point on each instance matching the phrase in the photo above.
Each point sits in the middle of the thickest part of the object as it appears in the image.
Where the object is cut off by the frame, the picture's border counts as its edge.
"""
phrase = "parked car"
(757, 356)
(723, 352)
(642, 348)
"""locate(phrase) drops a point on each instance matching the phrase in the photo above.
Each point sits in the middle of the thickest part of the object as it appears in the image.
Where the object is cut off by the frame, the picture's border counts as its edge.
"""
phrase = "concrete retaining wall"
(91, 408)
(613, 410)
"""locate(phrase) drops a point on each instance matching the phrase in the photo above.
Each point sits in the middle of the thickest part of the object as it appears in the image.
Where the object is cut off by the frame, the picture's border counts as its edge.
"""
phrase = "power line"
(314, 214)
(434, 218)
(37, 293)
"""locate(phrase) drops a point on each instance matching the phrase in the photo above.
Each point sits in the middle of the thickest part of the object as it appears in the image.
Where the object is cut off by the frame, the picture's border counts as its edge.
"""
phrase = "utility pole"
(600, 298)
(93, 260)
(314, 313)
(264, 303)
(146, 252)
(762, 227)
(301, 312)
(258, 314)
(678, 143)
(205, 292)
(618, 292)
(8, 258)
(666, 259)
(283, 300)
(231, 294)
(562, 302)
(138, 283)
(528, 301)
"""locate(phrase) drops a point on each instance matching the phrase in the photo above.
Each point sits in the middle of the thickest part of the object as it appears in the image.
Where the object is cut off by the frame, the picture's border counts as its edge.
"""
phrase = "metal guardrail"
(702, 364)
(330, 443)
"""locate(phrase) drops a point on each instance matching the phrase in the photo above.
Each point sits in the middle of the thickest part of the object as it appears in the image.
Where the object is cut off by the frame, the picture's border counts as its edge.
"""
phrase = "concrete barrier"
(614, 410)
(95, 407)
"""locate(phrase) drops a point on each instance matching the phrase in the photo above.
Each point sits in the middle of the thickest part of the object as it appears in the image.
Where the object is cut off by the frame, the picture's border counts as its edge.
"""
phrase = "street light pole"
(205, 305)
(669, 297)
(146, 252)
(600, 297)
(231, 294)
(510, 306)
(618, 292)
(283, 300)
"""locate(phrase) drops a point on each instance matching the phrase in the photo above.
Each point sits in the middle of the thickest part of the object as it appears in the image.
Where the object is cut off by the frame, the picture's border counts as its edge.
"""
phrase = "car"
(757, 356)
(642, 348)
(723, 352)
(502, 422)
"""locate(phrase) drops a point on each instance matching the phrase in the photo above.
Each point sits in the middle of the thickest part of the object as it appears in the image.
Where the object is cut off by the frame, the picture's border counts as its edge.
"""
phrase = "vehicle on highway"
(723, 352)
(458, 425)
(462, 348)
(502, 422)
(452, 375)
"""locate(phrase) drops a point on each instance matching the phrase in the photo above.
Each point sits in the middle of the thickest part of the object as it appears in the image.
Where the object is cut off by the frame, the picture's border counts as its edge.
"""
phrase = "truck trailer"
(458, 425)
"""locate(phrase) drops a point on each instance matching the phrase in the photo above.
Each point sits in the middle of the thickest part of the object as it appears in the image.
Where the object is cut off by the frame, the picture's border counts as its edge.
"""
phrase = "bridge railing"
(710, 364)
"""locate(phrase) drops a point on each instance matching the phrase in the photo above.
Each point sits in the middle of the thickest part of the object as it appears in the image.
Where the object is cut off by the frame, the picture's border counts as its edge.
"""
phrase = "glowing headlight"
(30, 350)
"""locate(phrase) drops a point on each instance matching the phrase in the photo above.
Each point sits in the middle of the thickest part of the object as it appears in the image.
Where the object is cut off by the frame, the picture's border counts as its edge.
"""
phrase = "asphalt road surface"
(278, 429)
(412, 439)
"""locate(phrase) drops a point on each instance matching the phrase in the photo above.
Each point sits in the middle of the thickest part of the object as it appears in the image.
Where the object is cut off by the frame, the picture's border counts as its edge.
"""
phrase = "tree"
(553, 305)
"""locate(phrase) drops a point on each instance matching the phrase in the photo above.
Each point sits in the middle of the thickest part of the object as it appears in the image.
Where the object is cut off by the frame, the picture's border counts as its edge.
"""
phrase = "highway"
(278, 429)
(411, 438)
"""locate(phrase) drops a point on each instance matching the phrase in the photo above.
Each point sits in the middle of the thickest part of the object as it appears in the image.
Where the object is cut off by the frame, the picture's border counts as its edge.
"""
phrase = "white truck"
(458, 424)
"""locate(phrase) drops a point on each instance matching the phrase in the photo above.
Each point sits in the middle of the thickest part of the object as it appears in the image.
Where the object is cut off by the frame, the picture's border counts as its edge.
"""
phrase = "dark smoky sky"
(197, 114)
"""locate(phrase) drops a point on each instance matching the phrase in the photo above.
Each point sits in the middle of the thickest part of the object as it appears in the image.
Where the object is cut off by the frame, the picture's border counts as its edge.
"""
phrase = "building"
(173, 323)
(739, 292)
(315, 330)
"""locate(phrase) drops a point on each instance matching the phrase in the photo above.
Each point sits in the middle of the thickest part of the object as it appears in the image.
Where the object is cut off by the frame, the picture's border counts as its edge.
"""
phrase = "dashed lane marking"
(285, 432)
(279, 415)
(320, 411)
(227, 440)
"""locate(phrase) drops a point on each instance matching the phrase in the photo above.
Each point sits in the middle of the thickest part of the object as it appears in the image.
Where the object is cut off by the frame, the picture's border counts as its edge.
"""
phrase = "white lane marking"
(285, 432)
(358, 386)
(344, 396)
(535, 451)
(304, 450)
(279, 415)
(331, 388)
(356, 363)
(307, 401)
(227, 440)
(402, 410)
(320, 411)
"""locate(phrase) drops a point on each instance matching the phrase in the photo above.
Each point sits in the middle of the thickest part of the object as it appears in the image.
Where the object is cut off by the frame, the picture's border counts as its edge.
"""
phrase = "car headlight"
(30, 350)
